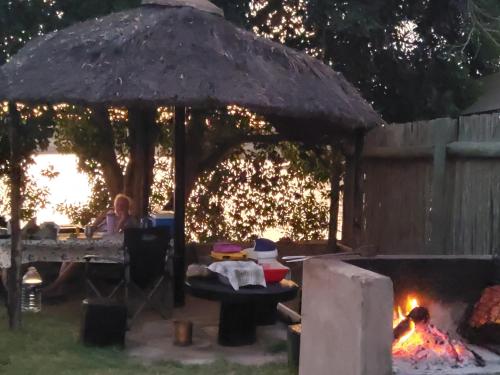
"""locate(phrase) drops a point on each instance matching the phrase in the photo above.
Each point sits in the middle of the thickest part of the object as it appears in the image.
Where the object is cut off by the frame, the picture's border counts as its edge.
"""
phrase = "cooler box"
(163, 219)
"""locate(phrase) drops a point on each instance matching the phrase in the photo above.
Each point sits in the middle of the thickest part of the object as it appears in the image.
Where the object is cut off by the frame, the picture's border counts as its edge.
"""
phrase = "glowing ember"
(423, 343)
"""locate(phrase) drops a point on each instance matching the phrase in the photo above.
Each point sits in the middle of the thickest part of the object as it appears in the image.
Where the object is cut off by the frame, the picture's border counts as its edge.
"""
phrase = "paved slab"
(151, 339)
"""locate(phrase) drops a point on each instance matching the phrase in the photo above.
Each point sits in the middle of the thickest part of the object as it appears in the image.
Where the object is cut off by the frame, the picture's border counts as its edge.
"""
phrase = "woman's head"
(122, 204)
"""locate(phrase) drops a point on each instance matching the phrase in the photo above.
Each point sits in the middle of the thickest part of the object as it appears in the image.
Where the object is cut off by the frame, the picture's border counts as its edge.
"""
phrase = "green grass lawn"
(48, 345)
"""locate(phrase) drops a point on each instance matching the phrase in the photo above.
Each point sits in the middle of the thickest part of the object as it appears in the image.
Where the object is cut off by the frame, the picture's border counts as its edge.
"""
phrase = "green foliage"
(34, 197)
(20, 21)
(253, 190)
(413, 60)
(34, 132)
(75, 10)
(163, 184)
(75, 132)
(35, 129)
(99, 200)
(235, 10)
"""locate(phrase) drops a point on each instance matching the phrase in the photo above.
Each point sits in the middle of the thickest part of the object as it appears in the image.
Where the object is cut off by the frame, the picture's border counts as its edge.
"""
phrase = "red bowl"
(274, 273)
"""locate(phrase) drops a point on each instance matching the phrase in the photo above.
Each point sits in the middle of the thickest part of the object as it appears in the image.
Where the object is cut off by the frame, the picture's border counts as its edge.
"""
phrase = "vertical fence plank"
(444, 131)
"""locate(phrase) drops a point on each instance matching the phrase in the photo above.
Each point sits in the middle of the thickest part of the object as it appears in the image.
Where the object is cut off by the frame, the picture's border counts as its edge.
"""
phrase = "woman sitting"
(119, 218)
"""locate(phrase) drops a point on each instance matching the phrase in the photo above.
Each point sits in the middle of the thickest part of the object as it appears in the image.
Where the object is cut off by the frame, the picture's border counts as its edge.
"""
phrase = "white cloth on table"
(240, 273)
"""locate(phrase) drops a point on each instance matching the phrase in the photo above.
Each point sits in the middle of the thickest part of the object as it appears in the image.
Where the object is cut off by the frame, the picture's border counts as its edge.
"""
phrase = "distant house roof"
(489, 101)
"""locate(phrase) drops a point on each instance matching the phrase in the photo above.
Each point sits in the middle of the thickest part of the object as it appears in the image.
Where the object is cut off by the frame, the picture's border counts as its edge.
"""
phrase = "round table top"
(213, 289)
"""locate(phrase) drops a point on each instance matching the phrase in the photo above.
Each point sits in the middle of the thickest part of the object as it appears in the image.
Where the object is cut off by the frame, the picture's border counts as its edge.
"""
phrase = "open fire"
(419, 342)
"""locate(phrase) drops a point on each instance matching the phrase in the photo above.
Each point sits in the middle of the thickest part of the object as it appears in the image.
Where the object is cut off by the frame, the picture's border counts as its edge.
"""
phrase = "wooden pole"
(179, 205)
(16, 173)
(358, 191)
(348, 198)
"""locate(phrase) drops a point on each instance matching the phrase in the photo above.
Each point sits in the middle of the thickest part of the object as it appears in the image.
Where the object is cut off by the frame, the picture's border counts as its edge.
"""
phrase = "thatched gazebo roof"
(182, 53)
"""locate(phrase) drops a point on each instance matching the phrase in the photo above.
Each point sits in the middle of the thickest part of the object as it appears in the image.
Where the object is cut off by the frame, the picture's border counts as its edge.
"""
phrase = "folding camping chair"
(147, 268)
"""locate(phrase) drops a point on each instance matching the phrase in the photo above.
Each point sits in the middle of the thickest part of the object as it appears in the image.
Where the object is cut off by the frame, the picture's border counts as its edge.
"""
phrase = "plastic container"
(262, 255)
(226, 247)
(263, 244)
(110, 222)
(163, 219)
(31, 291)
(228, 256)
(274, 272)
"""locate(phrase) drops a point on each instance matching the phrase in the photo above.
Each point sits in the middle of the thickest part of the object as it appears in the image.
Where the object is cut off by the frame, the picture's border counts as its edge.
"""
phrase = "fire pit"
(435, 310)
(418, 343)
(434, 298)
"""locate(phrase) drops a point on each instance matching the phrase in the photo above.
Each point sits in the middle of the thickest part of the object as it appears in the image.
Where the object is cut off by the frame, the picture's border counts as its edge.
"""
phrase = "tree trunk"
(143, 135)
(16, 176)
(106, 156)
(335, 177)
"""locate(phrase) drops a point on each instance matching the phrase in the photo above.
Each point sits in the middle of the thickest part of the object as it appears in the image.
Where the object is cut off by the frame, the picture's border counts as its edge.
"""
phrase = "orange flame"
(399, 315)
(425, 340)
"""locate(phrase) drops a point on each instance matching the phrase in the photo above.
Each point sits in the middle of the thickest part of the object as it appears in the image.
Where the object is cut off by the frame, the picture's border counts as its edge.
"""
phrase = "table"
(66, 249)
(238, 318)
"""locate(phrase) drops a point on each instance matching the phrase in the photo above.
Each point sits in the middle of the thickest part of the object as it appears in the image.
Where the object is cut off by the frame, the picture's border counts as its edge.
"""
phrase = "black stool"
(104, 322)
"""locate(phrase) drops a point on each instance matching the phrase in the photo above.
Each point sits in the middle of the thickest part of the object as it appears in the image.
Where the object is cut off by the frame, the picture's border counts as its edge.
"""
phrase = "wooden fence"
(433, 187)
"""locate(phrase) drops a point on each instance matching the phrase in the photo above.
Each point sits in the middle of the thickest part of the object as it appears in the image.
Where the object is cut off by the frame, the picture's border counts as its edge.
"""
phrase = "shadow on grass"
(48, 345)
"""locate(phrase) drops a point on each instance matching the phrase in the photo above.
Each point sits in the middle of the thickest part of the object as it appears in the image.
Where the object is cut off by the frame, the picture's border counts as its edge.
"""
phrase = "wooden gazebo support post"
(358, 190)
(179, 205)
(16, 172)
(352, 226)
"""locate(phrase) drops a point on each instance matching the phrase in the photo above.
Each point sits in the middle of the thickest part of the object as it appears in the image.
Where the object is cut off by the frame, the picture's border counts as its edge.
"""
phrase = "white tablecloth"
(66, 250)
